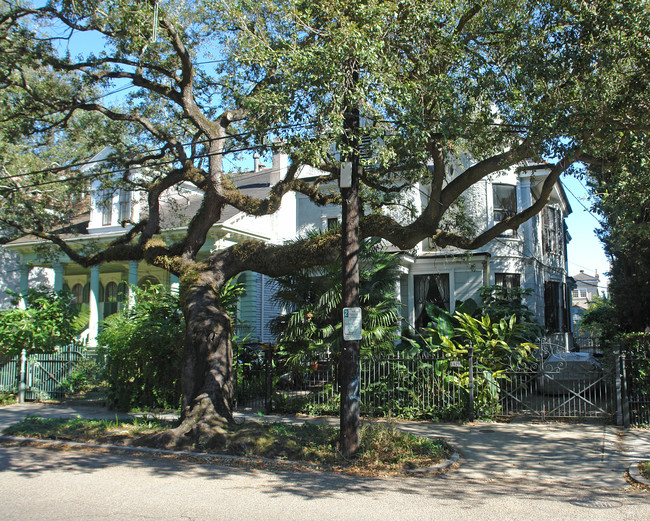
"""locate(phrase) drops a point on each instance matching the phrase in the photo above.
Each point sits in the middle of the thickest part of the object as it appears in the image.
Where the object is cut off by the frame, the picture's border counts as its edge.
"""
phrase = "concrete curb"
(636, 476)
(213, 458)
(436, 469)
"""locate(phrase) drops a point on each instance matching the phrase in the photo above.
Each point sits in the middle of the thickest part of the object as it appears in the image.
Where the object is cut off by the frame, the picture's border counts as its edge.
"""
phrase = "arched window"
(122, 291)
(110, 299)
(110, 293)
(77, 291)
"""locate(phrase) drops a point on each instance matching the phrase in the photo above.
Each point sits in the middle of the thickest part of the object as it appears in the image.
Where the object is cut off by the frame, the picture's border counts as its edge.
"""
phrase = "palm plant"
(312, 323)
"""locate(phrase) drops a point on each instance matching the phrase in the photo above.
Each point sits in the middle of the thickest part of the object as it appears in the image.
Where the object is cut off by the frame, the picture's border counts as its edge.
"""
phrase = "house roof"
(180, 210)
(582, 276)
(175, 213)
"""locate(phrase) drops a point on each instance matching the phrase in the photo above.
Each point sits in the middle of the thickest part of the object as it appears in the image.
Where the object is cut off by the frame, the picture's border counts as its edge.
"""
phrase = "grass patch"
(7, 398)
(383, 449)
(645, 469)
(81, 429)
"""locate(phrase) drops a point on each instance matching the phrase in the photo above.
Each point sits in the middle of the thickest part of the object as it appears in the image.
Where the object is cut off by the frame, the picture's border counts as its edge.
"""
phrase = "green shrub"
(143, 345)
(498, 346)
(7, 398)
(312, 325)
(87, 376)
(503, 302)
(636, 346)
(50, 319)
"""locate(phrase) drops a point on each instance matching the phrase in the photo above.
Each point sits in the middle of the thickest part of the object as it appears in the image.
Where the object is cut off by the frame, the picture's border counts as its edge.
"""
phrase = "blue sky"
(585, 249)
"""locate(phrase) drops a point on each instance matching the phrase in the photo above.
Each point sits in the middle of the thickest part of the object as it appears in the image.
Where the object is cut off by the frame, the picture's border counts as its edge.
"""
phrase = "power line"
(561, 271)
(53, 170)
(582, 204)
(121, 171)
(581, 266)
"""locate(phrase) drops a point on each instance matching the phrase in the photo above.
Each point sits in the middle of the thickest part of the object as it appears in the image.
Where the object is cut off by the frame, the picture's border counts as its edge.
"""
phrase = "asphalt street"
(506, 472)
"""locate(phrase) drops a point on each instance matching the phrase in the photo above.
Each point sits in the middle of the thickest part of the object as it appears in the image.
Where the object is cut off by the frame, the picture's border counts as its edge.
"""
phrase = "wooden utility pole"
(349, 368)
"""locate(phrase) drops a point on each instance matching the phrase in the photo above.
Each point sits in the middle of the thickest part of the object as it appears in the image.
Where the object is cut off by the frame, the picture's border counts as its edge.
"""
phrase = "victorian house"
(533, 256)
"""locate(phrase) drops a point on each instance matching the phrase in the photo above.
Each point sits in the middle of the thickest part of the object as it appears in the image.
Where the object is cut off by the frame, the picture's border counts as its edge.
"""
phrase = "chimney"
(280, 165)
(256, 162)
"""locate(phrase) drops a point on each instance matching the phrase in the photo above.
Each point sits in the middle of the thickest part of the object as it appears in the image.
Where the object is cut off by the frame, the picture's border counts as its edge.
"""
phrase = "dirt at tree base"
(202, 428)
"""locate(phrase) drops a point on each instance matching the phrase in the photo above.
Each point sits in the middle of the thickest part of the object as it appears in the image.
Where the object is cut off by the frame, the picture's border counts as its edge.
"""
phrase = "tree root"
(202, 428)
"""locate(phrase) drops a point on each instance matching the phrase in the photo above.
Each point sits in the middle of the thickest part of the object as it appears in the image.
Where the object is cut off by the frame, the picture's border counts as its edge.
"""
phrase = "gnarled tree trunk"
(207, 376)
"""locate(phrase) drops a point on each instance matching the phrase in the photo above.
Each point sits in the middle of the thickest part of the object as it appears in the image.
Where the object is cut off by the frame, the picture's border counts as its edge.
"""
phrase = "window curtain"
(421, 284)
(442, 284)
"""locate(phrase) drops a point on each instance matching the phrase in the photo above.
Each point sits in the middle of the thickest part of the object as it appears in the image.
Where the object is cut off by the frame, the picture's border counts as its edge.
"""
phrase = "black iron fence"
(560, 385)
(429, 387)
(635, 368)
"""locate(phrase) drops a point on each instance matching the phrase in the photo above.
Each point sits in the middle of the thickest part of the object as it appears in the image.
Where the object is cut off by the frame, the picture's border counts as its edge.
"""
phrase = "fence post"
(624, 399)
(268, 363)
(470, 352)
(22, 377)
(619, 390)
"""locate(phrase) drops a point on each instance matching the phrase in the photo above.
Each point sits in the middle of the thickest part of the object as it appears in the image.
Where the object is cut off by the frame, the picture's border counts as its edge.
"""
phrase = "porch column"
(525, 201)
(410, 300)
(133, 281)
(58, 276)
(24, 270)
(398, 296)
(93, 321)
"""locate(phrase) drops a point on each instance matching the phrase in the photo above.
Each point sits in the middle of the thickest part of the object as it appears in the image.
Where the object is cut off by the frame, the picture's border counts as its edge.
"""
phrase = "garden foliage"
(312, 327)
(143, 346)
(50, 320)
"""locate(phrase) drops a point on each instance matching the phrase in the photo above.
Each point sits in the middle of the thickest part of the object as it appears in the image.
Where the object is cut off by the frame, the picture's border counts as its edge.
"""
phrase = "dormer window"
(106, 206)
(125, 207)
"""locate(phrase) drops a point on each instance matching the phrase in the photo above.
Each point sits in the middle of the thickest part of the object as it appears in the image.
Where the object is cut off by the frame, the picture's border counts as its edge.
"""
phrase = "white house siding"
(41, 278)
(309, 217)
(284, 221)
(467, 284)
(10, 277)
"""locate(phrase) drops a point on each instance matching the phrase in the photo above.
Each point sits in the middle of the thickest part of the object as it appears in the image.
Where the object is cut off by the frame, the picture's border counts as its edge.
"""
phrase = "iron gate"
(427, 386)
(45, 375)
(556, 391)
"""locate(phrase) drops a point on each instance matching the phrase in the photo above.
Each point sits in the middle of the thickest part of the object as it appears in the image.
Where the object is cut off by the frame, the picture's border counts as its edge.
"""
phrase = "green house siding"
(248, 307)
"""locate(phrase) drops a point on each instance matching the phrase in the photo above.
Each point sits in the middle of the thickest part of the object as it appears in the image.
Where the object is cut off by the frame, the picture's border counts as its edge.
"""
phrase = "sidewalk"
(541, 453)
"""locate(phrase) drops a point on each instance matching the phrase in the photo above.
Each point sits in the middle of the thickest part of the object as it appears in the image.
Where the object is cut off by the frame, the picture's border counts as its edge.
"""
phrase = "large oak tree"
(502, 81)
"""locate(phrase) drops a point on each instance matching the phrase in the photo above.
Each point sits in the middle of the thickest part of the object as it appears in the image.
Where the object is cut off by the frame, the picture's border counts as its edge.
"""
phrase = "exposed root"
(201, 428)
